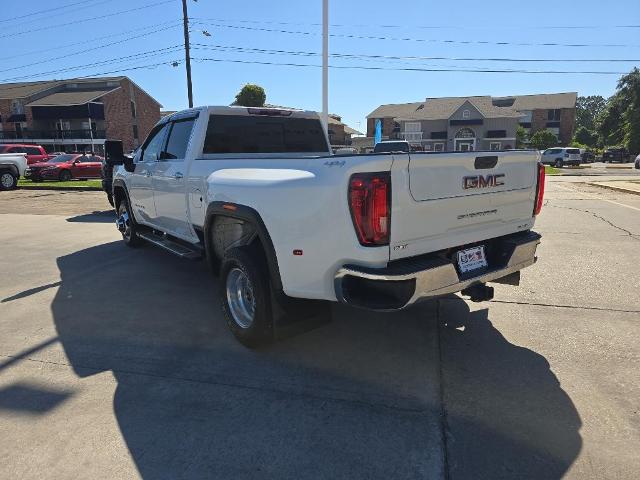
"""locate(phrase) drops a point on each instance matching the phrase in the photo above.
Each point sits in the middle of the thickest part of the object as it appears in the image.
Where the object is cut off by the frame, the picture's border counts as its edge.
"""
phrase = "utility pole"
(325, 64)
(187, 56)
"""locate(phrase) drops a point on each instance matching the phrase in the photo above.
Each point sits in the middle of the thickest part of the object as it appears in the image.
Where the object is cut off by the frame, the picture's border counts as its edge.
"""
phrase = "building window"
(527, 116)
(553, 115)
(438, 147)
(135, 132)
(495, 145)
(466, 114)
(133, 109)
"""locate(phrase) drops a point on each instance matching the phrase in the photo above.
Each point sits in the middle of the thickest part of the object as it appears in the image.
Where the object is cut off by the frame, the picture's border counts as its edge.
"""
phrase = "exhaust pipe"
(478, 293)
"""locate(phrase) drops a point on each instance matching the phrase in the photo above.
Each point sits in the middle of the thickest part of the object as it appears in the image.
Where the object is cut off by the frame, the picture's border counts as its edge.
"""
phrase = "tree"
(587, 111)
(251, 95)
(619, 124)
(521, 136)
(543, 139)
(586, 137)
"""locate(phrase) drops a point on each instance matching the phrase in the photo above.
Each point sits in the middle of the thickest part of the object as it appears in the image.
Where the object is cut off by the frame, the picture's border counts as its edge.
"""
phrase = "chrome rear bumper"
(404, 282)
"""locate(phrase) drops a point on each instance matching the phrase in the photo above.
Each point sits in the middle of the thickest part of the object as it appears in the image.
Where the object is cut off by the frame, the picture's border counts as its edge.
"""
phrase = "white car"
(561, 156)
(290, 227)
(12, 167)
(637, 162)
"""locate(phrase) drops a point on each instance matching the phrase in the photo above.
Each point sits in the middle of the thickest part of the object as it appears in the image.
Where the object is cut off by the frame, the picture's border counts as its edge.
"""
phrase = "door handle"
(178, 175)
(147, 173)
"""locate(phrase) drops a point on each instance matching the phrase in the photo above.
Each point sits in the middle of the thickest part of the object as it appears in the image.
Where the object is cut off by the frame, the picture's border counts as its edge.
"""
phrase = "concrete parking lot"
(116, 363)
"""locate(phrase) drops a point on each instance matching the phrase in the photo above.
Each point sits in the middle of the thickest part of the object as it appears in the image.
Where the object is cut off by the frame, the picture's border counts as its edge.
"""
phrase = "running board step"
(176, 248)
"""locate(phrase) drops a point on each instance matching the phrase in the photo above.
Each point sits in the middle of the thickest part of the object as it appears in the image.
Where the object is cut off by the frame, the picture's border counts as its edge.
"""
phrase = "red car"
(35, 153)
(65, 167)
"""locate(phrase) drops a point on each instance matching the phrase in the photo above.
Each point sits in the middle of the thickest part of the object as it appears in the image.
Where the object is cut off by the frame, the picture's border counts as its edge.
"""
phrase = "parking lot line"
(593, 197)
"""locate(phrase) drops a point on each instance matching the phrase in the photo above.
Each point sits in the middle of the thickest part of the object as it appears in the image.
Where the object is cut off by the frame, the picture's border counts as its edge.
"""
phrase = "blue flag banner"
(377, 137)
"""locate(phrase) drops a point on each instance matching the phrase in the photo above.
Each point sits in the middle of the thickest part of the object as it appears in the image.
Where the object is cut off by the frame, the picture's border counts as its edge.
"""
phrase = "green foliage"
(575, 144)
(586, 137)
(588, 109)
(251, 95)
(521, 137)
(619, 124)
(543, 139)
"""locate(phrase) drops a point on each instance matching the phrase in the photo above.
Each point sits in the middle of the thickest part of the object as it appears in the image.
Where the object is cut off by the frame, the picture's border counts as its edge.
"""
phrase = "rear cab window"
(264, 134)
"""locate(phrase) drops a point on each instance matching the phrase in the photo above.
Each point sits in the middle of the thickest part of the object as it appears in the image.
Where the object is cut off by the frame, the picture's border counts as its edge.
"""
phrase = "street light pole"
(187, 56)
(325, 64)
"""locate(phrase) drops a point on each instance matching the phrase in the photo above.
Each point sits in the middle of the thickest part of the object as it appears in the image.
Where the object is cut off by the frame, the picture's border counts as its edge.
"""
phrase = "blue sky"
(431, 29)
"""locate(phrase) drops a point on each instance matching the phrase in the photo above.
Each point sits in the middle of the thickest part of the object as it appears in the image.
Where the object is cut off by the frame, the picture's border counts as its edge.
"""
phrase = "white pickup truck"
(12, 167)
(256, 192)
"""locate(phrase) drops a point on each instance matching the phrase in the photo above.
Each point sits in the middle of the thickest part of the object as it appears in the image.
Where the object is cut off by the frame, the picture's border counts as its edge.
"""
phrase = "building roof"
(351, 131)
(543, 101)
(70, 98)
(395, 110)
(26, 89)
(490, 107)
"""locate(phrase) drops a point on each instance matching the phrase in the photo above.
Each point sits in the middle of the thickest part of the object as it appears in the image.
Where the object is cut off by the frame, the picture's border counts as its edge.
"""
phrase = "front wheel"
(245, 297)
(559, 163)
(127, 226)
(64, 176)
(8, 181)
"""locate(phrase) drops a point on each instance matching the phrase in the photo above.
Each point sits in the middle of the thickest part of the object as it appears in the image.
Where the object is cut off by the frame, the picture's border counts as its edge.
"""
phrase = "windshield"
(62, 158)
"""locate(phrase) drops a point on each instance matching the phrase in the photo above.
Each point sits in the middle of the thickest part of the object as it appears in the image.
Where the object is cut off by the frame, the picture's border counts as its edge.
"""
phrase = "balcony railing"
(412, 136)
(84, 134)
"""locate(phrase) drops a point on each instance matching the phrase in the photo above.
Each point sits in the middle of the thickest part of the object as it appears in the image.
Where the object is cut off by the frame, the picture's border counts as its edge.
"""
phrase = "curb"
(62, 189)
(617, 189)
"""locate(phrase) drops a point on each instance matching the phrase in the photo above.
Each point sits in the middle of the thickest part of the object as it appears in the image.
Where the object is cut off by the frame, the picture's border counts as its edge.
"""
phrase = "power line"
(463, 70)
(64, 12)
(421, 40)
(203, 46)
(81, 20)
(159, 51)
(45, 11)
(84, 42)
(88, 49)
(426, 27)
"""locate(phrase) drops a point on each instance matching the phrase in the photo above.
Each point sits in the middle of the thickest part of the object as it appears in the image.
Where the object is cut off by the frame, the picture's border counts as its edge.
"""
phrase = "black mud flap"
(294, 316)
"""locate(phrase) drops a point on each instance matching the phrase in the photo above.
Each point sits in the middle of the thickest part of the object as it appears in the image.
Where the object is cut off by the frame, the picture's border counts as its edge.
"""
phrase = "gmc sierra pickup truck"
(257, 193)
(12, 167)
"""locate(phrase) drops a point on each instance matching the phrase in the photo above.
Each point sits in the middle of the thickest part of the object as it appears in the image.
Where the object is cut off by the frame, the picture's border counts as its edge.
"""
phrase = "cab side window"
(178, 139)
(154, 144)
(33, 151)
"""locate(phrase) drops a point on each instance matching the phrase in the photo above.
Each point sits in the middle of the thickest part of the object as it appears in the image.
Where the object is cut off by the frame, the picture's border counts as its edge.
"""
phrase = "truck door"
(169, 181)
(140, 181)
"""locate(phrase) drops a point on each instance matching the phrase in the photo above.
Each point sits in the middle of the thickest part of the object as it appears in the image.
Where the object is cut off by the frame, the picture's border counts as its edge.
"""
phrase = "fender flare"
(250, 215)
(10, 167)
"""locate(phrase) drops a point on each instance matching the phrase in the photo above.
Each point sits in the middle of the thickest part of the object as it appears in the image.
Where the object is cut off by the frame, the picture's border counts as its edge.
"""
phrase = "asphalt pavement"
(116, 363)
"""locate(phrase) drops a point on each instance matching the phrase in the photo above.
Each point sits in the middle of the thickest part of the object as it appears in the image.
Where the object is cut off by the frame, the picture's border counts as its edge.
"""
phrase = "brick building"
(76, 114)
(475, 123)
(340, 134)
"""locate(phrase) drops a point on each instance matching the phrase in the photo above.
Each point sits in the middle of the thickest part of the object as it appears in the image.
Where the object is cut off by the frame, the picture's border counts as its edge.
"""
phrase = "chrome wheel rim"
(123, 224)
(240, 298)
(7, 180)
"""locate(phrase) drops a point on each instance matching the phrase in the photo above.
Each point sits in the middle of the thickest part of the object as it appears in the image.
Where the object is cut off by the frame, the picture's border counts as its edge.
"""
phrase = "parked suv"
(560, 156)
(35, 153)
(616, 154)
(65, 167)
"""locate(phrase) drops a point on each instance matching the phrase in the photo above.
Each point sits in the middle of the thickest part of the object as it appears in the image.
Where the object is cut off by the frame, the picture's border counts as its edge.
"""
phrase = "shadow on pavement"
(105, 216)
(30, 399)
(507, 415)
(358, 398)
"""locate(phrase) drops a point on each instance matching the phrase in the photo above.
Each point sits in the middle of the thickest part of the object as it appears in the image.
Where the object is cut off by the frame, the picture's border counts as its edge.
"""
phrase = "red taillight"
(539, 190)
(370, 204)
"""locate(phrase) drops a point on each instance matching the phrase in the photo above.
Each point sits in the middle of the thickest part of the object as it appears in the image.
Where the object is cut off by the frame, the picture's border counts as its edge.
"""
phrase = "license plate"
(471, 259)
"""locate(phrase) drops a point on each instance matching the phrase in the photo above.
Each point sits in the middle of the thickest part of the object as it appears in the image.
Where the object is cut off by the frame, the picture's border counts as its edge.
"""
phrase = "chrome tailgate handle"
(178, 175)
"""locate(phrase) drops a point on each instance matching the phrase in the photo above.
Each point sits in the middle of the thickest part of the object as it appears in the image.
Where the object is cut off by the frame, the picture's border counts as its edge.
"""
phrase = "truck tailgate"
(452, 199)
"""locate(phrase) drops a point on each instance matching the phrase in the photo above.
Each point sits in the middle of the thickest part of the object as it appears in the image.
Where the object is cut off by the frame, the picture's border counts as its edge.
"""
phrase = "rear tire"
(127, 226)
(8, 181)
(245, 297)
(65, 176)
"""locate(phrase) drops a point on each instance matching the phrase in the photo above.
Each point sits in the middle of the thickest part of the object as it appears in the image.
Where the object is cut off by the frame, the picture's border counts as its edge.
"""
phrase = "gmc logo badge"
(481, 181)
